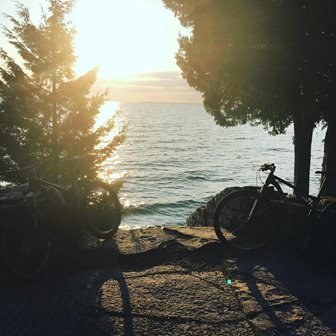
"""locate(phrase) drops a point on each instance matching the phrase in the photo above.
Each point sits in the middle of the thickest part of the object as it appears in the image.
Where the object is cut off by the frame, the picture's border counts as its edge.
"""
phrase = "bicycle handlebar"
(268, 166)
(40, 164)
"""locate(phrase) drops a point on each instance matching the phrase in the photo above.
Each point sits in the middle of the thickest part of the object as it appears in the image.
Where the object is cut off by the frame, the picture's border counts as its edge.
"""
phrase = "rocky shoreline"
(172, 281)
(203, 216)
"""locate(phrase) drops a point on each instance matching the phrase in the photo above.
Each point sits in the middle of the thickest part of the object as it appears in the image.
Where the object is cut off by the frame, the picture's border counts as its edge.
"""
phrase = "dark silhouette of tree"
(46, 112)
(325, 80)
(261, 62)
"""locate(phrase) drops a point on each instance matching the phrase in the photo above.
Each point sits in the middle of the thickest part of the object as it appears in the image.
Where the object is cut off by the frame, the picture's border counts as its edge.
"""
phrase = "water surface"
(175, 158)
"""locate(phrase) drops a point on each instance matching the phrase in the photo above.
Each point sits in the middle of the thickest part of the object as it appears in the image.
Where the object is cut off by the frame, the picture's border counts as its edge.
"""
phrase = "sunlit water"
(175, 158)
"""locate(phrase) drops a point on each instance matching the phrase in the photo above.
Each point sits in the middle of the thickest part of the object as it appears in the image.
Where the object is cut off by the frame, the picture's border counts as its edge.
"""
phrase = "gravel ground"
(171, 282)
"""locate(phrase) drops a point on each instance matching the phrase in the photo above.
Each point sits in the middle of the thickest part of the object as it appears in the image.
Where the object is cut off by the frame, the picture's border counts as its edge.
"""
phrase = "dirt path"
(171, 282)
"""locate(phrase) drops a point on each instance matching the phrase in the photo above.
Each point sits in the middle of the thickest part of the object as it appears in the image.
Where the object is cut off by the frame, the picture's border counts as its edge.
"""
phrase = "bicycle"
(87, 204)
(25, 240)
(246, 219)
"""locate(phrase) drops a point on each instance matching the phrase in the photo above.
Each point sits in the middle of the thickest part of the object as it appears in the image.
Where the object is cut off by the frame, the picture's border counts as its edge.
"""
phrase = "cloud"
(151, 87)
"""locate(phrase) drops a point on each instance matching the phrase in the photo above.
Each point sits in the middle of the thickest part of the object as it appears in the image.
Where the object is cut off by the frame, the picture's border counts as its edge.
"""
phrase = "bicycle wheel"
(25, 245)
(233, 224)
(102, 210)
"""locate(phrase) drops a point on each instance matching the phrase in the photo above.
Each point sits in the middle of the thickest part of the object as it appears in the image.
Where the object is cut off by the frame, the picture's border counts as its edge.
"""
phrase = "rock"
(203, 216)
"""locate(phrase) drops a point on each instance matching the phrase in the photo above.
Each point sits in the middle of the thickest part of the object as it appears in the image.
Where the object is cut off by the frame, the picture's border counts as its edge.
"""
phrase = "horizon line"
(157, 102)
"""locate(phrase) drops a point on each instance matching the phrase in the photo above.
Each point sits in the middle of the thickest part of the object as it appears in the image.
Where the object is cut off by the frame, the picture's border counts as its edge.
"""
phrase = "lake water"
(175, 158)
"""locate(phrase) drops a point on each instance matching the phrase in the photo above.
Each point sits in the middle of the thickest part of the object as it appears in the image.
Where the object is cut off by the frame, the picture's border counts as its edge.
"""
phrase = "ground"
(177, 281)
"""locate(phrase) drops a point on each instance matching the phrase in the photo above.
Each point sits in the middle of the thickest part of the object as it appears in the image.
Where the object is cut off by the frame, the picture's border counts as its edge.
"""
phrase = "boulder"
(203, 216)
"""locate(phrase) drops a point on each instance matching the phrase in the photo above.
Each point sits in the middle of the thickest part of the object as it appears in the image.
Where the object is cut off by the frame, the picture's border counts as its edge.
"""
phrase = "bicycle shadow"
(108, 271)
(112, 313)
(110, 264)
(86, 274)
(278, 292)
(71, 304)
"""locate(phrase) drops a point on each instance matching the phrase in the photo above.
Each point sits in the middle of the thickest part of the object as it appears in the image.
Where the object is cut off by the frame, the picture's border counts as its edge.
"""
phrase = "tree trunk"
(54, 136)
(303, 134)
(329, 160)
(55, 149)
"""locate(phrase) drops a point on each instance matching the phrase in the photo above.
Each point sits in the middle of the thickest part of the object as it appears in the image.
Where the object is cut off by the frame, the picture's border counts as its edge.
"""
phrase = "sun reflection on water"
(128, 203)
(108, 110)
(112, 110)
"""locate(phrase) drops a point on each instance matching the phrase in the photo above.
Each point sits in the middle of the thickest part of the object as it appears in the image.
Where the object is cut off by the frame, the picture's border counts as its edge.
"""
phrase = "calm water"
(175, 158)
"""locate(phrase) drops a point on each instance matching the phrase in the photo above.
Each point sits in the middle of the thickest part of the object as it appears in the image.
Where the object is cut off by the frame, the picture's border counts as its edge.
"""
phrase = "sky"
(132, 41)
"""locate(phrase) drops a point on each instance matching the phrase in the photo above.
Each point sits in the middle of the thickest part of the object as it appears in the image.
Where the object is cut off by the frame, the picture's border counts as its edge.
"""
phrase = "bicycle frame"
(49, 184)
(309, 201)
(247, 219)
(73, 199)
(313, 200)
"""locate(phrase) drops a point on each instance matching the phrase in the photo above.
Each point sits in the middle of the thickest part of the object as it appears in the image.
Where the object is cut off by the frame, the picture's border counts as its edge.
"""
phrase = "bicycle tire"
(102, 210)
(25, 245)
(231, 222)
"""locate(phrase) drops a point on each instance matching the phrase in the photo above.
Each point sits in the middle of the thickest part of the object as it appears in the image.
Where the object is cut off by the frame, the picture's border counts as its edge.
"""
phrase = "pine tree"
(269, 62)
(46, 112)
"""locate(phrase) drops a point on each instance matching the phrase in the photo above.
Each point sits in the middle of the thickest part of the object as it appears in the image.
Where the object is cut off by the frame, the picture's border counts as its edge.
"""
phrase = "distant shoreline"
(164, 102)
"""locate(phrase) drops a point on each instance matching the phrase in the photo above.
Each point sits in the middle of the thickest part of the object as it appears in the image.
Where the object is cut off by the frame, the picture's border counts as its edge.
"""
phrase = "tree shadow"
(280, 281)
(285, 272)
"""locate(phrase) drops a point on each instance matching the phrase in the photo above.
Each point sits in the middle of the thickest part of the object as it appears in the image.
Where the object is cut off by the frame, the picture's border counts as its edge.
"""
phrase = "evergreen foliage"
(269, 62)
(46, 112)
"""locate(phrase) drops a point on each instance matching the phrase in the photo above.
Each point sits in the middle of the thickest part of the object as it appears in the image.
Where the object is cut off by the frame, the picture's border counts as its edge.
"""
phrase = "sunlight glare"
(125, 37)
(107, 111)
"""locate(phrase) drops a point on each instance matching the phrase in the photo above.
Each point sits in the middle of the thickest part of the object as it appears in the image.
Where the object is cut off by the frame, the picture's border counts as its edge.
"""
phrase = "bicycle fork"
(255, 204)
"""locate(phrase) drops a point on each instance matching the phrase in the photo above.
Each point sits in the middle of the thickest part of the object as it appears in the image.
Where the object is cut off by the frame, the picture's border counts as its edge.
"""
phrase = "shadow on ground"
(171, 282)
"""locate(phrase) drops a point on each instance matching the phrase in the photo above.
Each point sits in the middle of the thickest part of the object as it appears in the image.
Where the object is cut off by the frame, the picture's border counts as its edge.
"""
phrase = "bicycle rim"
(103, 211)
(25, 246)
(234, 225)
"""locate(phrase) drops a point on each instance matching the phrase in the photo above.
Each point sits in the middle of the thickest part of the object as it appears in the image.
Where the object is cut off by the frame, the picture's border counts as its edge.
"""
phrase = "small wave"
(197, 178)
(159, 207)
(193, 175)
(283, 150)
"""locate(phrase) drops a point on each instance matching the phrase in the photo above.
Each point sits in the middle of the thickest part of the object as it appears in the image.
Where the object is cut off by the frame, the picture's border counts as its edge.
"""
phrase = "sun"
(125, 37)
